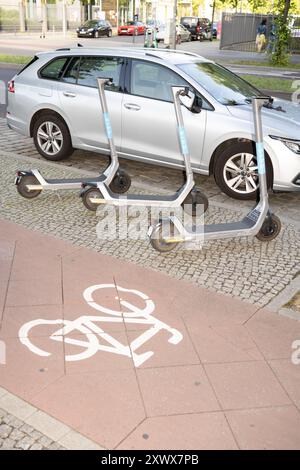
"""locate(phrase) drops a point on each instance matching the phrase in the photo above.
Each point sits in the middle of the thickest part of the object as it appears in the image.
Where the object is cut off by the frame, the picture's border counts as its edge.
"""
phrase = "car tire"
(234, 174)
(63, 140)
(96, 34)
(109, 34)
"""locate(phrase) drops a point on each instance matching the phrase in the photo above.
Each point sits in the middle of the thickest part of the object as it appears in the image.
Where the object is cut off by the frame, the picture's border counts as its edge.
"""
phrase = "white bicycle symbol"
(86, 324)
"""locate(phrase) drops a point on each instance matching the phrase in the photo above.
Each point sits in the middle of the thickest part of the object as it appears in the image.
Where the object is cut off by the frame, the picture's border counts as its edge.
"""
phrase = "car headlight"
(292, 144)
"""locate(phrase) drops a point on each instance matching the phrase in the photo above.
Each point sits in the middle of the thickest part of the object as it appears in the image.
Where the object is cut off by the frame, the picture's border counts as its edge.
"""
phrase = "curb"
(50, 427)
(277, 304)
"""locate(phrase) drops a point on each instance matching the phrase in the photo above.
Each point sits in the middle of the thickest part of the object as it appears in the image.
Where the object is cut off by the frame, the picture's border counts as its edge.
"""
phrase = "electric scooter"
(188, 196)
(259, 222)
(31, 183)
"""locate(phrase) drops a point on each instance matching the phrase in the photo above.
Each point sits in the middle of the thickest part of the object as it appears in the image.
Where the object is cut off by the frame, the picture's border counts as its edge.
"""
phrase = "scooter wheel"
(190, 203)
(24, 191)
(121, 182)
(270, 229)
(157, 239)
(87, 197)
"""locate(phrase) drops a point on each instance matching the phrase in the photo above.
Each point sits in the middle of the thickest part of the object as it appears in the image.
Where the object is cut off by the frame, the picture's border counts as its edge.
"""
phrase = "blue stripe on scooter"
(260, 154)
(107, 124)
(183, 140)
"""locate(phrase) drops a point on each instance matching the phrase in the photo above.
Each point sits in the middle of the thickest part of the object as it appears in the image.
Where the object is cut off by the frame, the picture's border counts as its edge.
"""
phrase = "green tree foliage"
(279, 49)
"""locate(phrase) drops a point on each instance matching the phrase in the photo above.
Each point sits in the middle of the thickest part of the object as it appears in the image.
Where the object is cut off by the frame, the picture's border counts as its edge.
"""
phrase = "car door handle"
(133, 107)
(69, 94)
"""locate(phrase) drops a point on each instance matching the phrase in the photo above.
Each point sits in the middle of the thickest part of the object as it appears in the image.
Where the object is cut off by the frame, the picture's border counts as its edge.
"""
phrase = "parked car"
(215, 26)
(132, 28)
(54, 99)
(182, 34)
(154, 24)
(94, 29)
(295, 27)
(200, 28)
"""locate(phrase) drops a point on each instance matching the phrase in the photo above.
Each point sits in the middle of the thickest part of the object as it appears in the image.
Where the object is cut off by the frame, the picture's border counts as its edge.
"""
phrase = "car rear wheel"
(52, 138)
(236, 171)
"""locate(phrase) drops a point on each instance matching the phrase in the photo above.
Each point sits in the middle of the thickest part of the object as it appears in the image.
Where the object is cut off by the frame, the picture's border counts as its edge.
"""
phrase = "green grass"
(15, 59)
(269, 83)
(257, 63)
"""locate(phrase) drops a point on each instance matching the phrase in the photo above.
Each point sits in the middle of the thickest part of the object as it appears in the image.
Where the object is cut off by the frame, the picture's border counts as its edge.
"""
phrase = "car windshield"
(223, 85)
(130, 23)
(90, 23)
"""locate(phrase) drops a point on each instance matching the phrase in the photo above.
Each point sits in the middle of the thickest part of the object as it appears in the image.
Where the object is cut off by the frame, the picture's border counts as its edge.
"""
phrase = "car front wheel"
(236, 171)
(52, 138)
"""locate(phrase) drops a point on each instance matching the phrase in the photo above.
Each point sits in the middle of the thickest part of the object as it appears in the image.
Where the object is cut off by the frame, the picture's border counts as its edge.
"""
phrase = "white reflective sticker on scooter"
(107, 124)
(183, 140)
(260, 153)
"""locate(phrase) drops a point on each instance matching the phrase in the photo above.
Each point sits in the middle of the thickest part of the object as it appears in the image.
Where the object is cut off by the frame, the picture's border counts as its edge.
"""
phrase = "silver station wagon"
(54, 99)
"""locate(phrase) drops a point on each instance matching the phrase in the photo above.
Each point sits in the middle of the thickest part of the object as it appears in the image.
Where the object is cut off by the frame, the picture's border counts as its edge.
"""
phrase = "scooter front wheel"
(158, 241)
(88, 196)
(193, 202)
(121, 182)
(270, 229)
(22, 187)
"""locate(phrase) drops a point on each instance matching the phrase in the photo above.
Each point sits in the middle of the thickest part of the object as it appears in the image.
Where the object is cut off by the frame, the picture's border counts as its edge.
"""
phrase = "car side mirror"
(197, 105)
(192, 102)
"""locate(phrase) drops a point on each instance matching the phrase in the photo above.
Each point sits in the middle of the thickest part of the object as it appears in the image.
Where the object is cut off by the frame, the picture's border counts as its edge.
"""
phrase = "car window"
(95, 67)
(153, 80)
(223, 85)
(90, 23)
(54, 69)
(71, 73)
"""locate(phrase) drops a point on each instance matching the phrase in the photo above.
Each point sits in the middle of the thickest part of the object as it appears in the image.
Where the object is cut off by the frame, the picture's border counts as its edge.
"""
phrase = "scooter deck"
(142, 197)
(243, 224)
(97, 179)
(146, 197)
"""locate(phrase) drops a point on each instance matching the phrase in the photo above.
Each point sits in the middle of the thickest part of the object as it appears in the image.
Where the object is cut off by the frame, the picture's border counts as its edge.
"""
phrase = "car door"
(149, 127)
(79, 99)
(102, 28)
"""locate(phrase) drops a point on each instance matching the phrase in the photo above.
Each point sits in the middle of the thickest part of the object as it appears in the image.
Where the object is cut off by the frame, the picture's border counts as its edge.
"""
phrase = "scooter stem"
(257, 104)
(177, 92)
(107, 125)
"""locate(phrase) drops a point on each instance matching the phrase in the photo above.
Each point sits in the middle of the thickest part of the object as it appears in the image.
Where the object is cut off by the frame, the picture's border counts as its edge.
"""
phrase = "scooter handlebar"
(262, 100)
(105, 80)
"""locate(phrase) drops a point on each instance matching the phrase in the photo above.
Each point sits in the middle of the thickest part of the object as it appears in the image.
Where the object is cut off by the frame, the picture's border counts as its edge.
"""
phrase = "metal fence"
(239, 31)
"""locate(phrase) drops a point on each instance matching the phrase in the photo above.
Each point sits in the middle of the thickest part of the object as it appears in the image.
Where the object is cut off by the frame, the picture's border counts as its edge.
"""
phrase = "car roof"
(166, 55)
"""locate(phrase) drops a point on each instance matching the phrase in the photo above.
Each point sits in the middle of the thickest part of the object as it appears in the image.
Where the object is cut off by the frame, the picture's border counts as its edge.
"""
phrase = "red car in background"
(132, 28)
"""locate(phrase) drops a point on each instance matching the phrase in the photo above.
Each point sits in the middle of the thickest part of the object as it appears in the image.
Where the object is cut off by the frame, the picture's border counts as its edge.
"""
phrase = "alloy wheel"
(50, 138)
(241, 173)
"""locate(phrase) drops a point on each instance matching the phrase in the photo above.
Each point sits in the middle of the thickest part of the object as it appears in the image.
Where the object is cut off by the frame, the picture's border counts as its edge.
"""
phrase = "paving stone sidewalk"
(17, 435)
(244, 268)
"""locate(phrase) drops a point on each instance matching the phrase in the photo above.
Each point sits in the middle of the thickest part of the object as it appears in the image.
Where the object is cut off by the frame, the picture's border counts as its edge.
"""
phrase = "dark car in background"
(200, 28)
(94, 29)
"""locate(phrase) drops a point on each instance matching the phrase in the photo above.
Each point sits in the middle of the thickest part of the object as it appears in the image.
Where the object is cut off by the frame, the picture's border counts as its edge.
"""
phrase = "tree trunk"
(22, 16)
(287, 6)
(44, 18)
